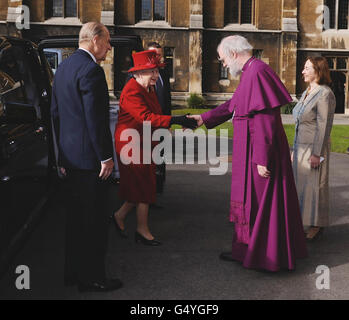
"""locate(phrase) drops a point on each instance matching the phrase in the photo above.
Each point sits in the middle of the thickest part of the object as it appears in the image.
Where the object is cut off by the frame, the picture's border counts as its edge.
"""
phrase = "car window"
(116, 65)
(52, 59)
(16, 77)
(12, 88)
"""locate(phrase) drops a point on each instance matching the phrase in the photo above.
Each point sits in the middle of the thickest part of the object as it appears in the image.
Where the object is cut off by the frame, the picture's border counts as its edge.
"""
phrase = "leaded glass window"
(153, 10)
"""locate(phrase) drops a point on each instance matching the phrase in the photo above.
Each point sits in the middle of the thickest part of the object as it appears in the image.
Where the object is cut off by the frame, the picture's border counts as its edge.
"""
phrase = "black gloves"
(184, 122)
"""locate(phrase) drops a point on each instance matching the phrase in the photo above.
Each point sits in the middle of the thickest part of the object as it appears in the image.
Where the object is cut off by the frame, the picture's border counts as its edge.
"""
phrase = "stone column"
(90, 10)
(288, 52)
(107, 18)
(107, 15)
(195, 46)
(37, 10)
(3, 10)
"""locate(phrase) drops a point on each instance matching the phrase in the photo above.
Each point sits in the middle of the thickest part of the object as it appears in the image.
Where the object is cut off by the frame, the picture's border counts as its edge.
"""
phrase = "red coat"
(138, 181)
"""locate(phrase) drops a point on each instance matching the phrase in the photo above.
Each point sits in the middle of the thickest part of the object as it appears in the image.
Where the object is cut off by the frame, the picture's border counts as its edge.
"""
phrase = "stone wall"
(37, 10)
(108, 5)
(177, 39)
(3, 9)
(285, 32)
(214, 14)
(268, 14)
(269, 43)
(90, 10)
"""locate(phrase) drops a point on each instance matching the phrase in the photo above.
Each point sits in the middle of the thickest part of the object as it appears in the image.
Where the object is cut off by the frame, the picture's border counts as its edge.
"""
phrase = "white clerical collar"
(92, 56)
(248, 63)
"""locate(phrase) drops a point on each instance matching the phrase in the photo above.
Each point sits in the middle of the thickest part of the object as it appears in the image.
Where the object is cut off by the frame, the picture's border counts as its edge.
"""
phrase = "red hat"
(144, 60)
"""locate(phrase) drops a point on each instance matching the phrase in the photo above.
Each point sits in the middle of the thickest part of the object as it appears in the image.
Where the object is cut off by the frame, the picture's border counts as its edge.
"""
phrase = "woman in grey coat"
(311, 154)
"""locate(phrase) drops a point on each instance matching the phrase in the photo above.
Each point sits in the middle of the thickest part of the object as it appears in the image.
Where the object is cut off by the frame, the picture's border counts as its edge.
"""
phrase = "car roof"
(73, 41)
(6, 41)
(69, 41)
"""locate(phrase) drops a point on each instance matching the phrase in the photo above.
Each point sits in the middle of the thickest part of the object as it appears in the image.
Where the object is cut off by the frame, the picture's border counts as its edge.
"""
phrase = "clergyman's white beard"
(234, 69)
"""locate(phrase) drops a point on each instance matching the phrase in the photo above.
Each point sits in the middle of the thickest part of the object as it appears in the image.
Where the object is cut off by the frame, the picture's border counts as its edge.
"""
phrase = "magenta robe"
(268, 227)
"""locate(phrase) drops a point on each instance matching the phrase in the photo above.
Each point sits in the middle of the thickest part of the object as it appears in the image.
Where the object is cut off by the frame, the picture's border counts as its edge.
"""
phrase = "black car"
(28, 170)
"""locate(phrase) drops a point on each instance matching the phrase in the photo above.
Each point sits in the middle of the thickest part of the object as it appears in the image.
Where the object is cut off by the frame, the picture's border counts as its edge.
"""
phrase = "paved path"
(195, 229)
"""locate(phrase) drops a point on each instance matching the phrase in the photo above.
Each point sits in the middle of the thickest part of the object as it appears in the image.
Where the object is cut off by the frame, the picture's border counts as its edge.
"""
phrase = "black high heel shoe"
(140, 239)
(122, 233)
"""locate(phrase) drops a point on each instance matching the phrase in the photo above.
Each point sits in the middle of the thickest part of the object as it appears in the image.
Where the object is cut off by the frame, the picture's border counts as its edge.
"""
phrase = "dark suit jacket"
(164, 92)
(80, 113)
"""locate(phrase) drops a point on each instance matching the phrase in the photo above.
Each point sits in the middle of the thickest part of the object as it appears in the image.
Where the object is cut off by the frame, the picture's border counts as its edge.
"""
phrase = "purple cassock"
(268, 227)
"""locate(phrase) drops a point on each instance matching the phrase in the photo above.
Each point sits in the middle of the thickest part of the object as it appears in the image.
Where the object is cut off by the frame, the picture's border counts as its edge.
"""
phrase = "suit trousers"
(86, 226)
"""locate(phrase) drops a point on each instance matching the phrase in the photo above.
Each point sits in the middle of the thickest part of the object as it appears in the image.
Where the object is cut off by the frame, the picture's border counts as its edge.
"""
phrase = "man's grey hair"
(235, 44)
(91, 29)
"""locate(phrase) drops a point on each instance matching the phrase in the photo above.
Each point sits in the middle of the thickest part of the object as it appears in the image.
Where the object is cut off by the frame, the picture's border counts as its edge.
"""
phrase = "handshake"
(187, 121)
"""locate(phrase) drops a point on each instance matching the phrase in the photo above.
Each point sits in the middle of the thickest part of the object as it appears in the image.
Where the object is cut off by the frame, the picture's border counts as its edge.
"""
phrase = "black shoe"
(226, 256)
(140, 239)
(122, 233)
(100, 286)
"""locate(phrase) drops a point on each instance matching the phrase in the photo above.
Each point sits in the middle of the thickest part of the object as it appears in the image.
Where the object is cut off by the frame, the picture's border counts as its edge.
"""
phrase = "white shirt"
(91, 55)
(162, 82)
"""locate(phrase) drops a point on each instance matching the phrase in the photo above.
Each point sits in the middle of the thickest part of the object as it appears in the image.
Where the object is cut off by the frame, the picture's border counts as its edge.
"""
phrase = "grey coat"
(314, 118)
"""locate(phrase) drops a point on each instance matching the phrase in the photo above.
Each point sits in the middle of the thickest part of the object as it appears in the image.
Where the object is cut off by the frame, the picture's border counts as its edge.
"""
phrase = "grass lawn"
(339, 135)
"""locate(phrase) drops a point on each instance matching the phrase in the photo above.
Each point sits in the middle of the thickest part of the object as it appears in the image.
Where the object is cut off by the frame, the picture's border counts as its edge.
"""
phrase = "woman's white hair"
(235, 44)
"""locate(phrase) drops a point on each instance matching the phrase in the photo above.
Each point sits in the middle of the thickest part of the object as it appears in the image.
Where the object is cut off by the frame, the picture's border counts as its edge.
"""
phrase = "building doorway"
(339, 75)
(339, 80)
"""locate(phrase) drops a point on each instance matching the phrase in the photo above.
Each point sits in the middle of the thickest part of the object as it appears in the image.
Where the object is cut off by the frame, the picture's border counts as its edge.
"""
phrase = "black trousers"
(86, 226)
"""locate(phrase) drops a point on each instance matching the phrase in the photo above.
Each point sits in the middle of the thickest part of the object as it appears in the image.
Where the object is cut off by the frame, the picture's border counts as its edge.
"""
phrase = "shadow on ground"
(194, 228)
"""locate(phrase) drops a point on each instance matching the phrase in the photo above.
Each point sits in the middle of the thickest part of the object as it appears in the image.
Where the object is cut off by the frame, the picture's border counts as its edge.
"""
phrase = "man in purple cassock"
(264, 205)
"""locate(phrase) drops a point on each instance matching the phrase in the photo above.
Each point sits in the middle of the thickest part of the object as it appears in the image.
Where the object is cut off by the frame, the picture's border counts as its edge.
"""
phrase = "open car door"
(28, 167)
(24, 143)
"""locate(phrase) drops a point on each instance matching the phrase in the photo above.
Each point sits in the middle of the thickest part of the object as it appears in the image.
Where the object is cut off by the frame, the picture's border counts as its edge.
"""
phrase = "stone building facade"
(326, 34)
(59, 17)
(283, 33)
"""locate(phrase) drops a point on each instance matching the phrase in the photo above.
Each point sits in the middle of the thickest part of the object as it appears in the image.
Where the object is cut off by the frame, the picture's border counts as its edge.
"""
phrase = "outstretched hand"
(184, 121)
(198, 119)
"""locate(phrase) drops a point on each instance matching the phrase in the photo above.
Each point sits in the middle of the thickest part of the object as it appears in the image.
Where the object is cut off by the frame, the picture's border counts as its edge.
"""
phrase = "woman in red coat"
(139, 103)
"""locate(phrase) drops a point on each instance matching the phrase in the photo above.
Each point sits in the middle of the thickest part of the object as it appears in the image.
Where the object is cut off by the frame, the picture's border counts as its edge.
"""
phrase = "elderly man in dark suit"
(80, 114)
